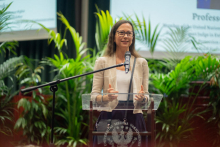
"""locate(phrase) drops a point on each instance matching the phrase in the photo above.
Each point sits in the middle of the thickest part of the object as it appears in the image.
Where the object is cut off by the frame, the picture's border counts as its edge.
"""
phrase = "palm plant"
(68, 101)
(176, 123)
(6, 93)
(177, 43)
(175, 117)
(33, 120)
(173, 130)
(73, 89)
(207, 68)
(176, 80)
(104, 23)
(144, 32)
(56, 37)
(27, 73)
(6, 70)
(103, 27)
(69, 95)
(77, 39)
(5, 18)
(9, 66)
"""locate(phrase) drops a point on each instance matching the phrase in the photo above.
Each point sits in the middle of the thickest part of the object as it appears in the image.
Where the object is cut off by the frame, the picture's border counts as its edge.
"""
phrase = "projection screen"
(202, 17)
(41, 11)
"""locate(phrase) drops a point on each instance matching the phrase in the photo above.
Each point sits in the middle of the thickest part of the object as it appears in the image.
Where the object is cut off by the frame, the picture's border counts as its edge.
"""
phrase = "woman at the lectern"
(115, 80)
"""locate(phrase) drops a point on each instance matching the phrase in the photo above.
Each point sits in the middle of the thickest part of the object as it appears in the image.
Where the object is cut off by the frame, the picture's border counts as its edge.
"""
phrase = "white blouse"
(123, 81)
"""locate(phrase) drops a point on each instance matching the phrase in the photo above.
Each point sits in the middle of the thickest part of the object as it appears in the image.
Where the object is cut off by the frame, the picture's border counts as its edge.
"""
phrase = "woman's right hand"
(111, 97)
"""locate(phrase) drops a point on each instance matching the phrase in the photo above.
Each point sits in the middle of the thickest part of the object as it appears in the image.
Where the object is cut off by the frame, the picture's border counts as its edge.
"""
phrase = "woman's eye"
(121, 32)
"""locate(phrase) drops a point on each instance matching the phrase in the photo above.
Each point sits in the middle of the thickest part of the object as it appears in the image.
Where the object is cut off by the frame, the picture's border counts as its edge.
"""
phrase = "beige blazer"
(101, 80)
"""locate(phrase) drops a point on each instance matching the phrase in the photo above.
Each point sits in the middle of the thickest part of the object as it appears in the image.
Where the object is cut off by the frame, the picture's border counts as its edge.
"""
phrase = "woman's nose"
(126, 35)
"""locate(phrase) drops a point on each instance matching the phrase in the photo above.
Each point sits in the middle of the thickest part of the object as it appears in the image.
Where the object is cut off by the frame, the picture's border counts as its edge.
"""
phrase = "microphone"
(127, 61)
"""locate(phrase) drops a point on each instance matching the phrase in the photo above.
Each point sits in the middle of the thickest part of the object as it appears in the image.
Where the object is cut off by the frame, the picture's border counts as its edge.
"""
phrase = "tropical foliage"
(172, 85)
(34, 118)
(77, 39)
(173, 130)
(103, 27)
(177, 81)
(5, 21)
(68, 100)
(56, 37)
(27, 73)
(177, 42)
(208, 69)
(144, 32)
(7, 93)
(175, 115)
(170, 77)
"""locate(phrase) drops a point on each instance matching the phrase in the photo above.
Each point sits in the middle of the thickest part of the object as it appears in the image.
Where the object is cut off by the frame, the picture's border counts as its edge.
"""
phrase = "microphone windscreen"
(127, 61)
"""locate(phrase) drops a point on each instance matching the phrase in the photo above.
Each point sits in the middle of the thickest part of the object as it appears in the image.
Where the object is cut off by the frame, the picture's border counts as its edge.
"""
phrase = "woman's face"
(124, 36)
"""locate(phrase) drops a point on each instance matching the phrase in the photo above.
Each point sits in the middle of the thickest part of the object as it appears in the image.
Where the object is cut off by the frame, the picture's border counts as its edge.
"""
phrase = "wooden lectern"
(150, 105)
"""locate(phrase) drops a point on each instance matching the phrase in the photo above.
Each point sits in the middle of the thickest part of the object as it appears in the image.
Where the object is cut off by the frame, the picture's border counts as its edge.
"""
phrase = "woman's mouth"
(124, 41)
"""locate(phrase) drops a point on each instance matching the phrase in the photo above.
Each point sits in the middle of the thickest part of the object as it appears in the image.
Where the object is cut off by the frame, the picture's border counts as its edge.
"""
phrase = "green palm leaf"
(103, 27)
(144, 31)
(10, 46)
(5, 18)
(75, 36)
(9, 66)
(177, 42)
(5, 21)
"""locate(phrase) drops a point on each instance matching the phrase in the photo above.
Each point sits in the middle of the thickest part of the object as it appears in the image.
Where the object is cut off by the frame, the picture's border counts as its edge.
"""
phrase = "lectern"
(113, 131)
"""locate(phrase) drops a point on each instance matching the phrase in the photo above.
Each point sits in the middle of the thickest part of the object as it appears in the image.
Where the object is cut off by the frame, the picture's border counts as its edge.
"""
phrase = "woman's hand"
(111, 97)
(140, 96)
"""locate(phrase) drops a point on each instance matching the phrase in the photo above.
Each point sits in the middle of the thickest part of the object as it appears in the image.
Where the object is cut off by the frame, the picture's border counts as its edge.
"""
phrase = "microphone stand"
(54, 88)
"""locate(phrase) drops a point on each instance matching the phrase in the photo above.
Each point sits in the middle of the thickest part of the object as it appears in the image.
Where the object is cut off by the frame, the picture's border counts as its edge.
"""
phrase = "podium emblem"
(122, 135)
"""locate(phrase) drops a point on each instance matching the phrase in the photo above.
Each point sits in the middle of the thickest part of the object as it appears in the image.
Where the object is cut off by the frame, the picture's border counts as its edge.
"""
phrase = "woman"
(115, 80)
